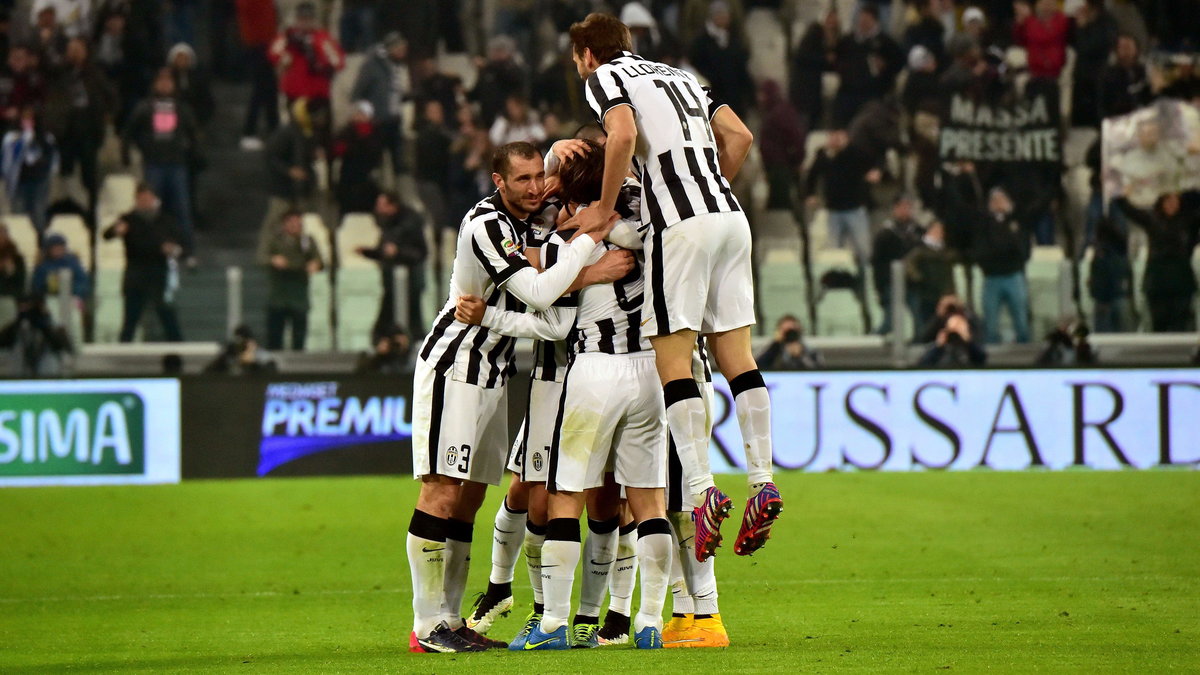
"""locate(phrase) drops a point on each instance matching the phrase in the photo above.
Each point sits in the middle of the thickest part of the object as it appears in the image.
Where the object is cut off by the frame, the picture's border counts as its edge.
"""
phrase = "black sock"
(499, 591)
(579, 618)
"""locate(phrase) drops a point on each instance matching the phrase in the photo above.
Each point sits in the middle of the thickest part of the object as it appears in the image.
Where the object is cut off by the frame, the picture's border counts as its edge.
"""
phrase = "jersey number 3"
(687, 106)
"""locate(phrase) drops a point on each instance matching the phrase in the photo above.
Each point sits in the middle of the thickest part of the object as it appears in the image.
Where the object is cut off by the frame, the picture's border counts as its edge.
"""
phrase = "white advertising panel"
(1000, 419)
(89, 432)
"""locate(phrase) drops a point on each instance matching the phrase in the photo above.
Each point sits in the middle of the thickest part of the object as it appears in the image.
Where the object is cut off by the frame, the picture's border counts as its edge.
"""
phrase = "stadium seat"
(1196, 267)
(315, 227)
(116, 198)
(320, 321)
(341, 86)
(1044, 272)
(839, 311)
(1086, 304)
(357, 286)
(814, 142)
(768, 49)
(24, 236)
(460, 66)
(1076, 144)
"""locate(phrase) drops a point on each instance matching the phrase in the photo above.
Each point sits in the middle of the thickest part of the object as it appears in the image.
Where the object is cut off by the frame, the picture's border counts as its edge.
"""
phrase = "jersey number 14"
(687, 107)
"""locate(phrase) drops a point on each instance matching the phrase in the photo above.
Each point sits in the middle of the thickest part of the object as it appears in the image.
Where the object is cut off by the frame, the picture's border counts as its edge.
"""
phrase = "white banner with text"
(999, 419)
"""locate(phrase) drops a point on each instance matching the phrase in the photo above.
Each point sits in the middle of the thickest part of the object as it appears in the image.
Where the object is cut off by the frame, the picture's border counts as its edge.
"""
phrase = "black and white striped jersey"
(610, 316)
(490, 263)
(549, 356)
(676, 154)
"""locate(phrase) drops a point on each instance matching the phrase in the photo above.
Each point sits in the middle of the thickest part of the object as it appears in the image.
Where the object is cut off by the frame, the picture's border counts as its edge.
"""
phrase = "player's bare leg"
(688, 420)
(654, 546)
(753, 405)
(428, 532)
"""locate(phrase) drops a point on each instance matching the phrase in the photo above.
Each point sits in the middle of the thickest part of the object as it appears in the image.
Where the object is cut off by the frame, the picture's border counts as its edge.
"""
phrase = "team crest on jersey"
(510, 247)
(537, 461)
(451, 456)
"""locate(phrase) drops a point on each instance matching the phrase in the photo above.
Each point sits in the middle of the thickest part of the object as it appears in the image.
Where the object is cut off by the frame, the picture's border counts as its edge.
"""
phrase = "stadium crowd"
(852, 118)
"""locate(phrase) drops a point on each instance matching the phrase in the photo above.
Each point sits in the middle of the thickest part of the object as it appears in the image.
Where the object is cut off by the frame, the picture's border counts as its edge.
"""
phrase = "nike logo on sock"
(546, 567)
(601, 564)
(505, 531)
(432, 550)
(631, 557)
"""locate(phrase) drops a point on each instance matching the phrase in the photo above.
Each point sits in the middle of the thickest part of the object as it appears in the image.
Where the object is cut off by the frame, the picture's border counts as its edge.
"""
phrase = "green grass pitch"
(1070, 571)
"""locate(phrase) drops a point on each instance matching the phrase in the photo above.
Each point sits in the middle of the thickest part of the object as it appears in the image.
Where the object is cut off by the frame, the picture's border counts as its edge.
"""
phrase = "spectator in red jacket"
(307, 57)
(1043, 32)
(258, 25)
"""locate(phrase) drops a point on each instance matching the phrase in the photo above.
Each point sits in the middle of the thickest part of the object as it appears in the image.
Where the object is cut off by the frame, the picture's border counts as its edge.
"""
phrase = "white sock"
(688, 422)
(533, 557)
(654, 558)
(458, 565)
(599, 552)
(426, 546)
(508, 534)
(681, 598)
(698, 577)
(560, 557)
(624, 572)
(753, 404)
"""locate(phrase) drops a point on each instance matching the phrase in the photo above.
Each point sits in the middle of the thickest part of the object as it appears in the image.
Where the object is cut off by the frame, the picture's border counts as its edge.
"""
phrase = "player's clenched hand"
(469, 309)
(613, 265)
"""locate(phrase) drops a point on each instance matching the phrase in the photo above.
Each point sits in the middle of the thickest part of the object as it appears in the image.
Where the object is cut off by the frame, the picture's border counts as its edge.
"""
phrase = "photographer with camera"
(392, 353)
(37, 344)
(307, 57)
(954, 333)
(788, 351)
(1067, 345)
(242, 356)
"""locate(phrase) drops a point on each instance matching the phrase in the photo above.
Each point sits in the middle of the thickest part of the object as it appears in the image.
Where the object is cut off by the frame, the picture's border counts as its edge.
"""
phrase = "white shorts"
(612, 417)
(699, 275)
(459, 430)
(530, 455)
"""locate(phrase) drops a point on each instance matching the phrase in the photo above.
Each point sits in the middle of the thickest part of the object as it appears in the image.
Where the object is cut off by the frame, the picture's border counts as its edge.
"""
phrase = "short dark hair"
(590, 131)
(581, 179)
(143, 186)
(604, 34)
(391, 196)
(502, 157)
(870, 8)
(291, 213)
